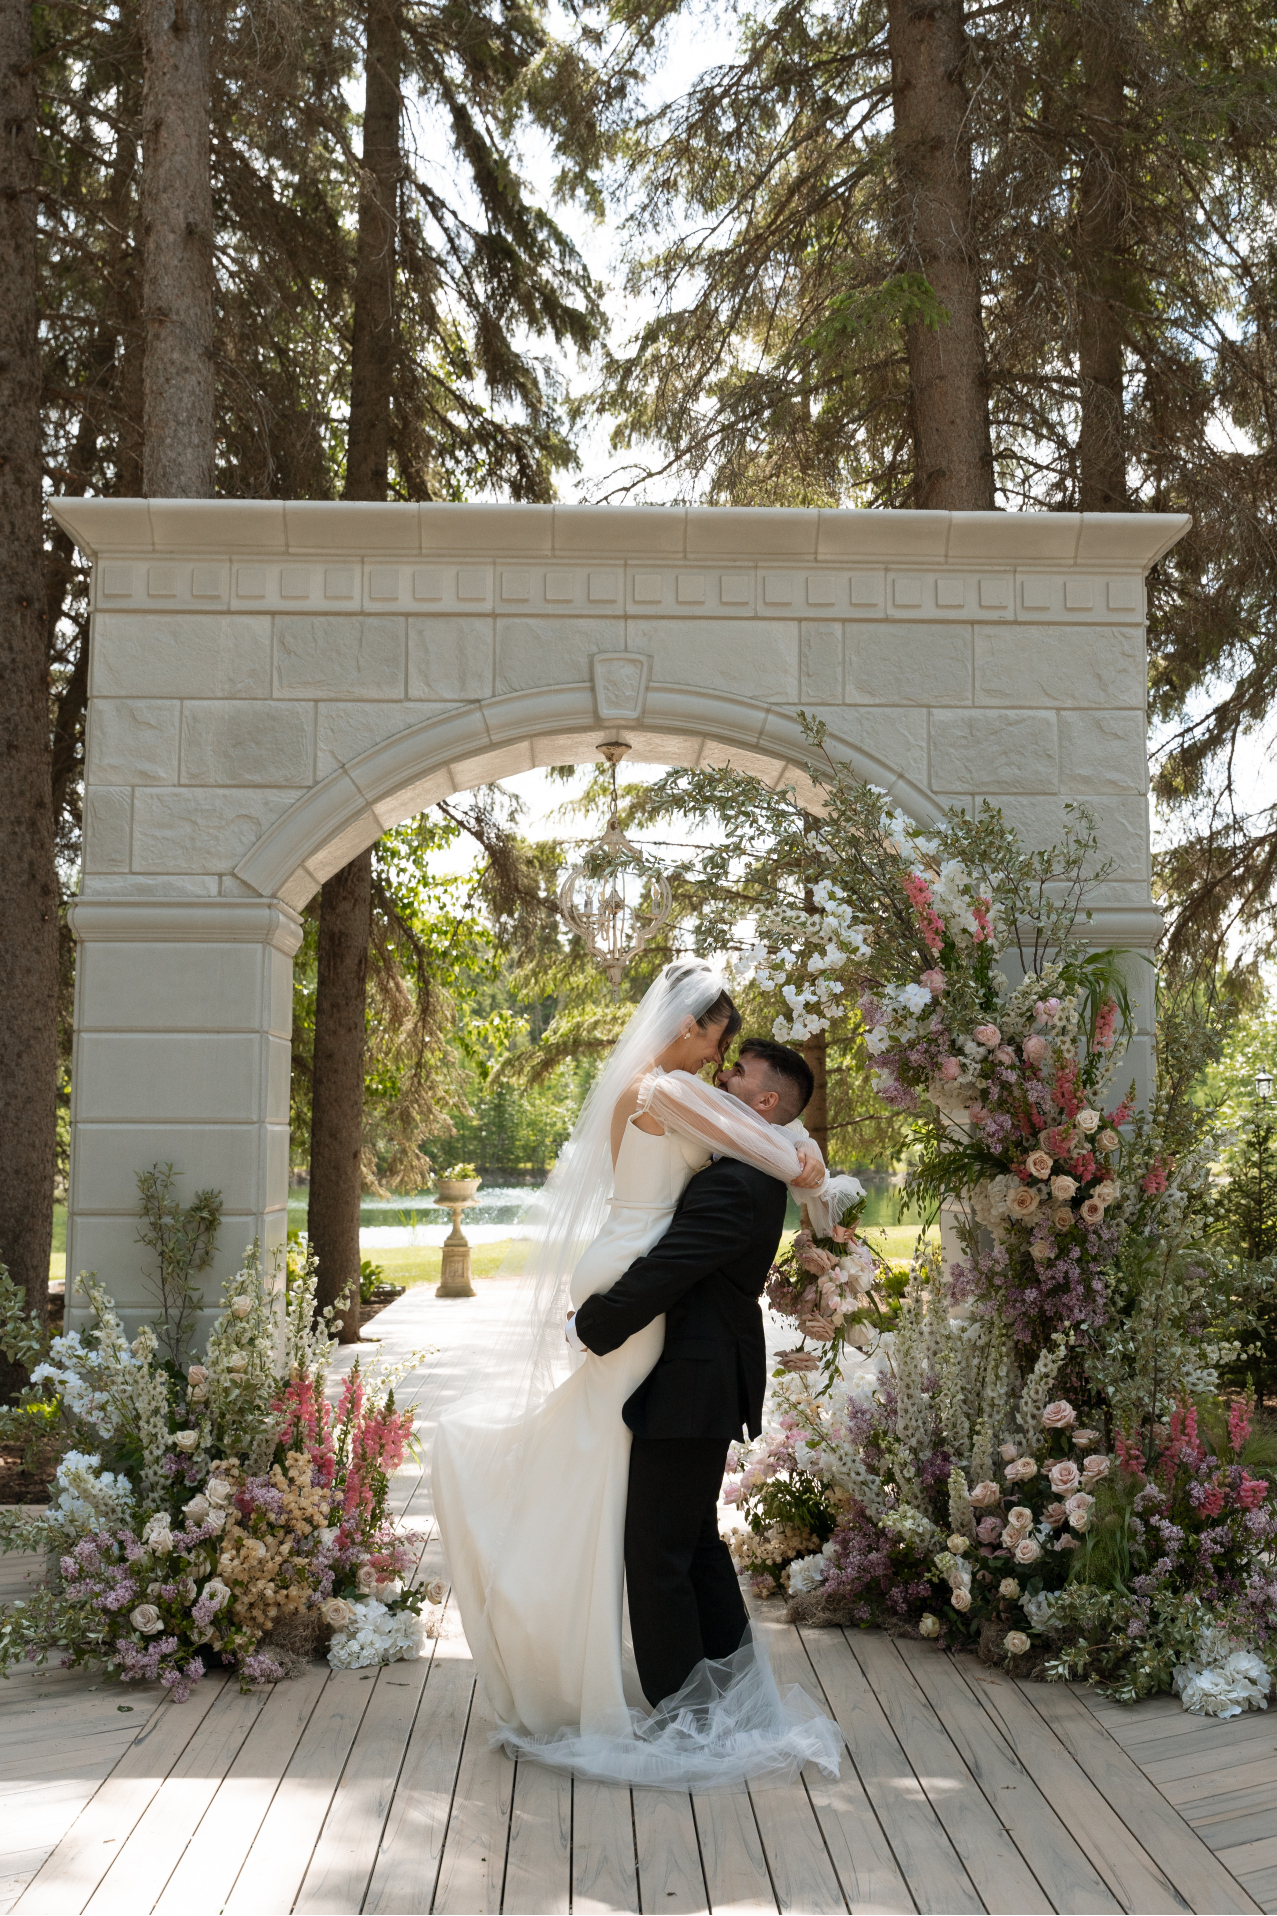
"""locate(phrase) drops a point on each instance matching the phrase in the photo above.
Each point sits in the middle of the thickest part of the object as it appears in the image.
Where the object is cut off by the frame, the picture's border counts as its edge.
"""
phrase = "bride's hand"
(812, 1174)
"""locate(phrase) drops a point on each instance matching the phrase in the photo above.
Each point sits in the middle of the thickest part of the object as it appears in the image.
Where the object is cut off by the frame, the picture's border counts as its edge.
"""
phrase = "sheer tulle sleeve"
(715, 1118)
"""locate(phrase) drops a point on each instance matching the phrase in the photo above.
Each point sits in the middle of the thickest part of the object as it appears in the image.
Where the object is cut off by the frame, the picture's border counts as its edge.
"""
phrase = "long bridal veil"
(729, 1723)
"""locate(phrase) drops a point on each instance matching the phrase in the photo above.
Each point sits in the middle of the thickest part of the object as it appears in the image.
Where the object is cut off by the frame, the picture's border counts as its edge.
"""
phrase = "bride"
(529, 1479)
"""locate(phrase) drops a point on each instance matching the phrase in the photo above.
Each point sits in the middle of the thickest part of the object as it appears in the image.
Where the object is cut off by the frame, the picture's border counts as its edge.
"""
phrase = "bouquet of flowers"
(225, 1512)
(832, 1289)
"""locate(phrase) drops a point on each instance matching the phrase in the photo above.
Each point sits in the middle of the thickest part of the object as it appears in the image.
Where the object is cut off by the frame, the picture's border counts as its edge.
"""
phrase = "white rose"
(1108, 1141)
(1106, 1191)
(1087, 1121)
(196, 1376)
(929, 1626)
(157, 1526)
(337, 1612)
(1023, 1202)
(960, 1599)
(187, 1440)
(1042, 1251)
(1020, 1517)
(958, 1545)
(1009, 1588)
(366, 1578)
(1028, 1550)
(240, 1306)
(147, 1619)
(1063, 1188)
(216, 1520)
(436, 1590)
(216, 1592)
(1015, 1643)
(218, 1490)
(197, 1509)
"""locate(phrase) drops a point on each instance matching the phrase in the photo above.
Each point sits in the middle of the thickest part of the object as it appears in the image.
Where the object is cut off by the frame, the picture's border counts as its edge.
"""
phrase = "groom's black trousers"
(685, 1602)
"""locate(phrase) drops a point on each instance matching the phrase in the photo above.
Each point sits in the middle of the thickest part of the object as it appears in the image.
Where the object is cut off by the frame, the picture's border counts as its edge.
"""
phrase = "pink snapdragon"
(1105, 1025)
(1239, 1422)
(1154, 1182)
(918, 892)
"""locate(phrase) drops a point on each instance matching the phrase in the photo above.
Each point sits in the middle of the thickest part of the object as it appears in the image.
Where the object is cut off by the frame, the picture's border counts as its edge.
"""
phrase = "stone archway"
(275, 684)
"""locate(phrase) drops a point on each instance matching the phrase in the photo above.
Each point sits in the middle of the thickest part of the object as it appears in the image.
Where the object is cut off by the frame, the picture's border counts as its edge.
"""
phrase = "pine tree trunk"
(177, 242)
(336, 1125)
(372, 359)
(948, 368)
(1101, 439)
(816, 1116)
(345, 903)
(28, 880)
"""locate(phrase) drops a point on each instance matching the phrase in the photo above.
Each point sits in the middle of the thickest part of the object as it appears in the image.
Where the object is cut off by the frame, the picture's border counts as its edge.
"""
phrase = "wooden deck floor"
(346, 1791)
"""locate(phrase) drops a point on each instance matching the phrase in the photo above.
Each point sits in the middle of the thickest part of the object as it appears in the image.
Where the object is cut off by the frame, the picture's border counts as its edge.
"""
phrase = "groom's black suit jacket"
(707, 1274)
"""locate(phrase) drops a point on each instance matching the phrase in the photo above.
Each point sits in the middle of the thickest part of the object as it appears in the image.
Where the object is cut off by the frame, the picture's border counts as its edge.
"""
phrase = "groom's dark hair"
(790, 1067)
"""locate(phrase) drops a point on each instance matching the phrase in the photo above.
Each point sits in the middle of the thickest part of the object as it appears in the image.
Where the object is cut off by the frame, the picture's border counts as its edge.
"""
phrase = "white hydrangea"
(1222, 1680)
(806, 1574)
(1039, 1609)
(378, 1635)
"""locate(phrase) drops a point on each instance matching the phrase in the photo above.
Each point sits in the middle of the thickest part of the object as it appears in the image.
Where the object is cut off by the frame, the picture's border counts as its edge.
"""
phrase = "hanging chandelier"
(602, 898)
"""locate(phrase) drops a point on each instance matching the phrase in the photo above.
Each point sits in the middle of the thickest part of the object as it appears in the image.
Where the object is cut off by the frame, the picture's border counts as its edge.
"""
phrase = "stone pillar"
(183, 1021)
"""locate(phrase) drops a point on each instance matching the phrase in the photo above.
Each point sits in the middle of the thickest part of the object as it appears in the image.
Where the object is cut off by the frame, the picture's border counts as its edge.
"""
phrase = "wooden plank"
(147, 1858)
(204, 1877)
(603, 1873)
(1002, 1878)
(274, 1867)
(407, 1864)
(802, 1875)
(1232, 1781)
(538, 1869)
(344, 1857)
(1202, 1738)
(1185, 1859)
(1248, 1859)
(668, 1857)
(472, 1868)
(34, 1821)
(86, 1852)
(931, 1867)
(1262, 1885)
(736, 1874)
(1248, 1826)
(859, 1853)
(1212, 1765)
(1045, 1842)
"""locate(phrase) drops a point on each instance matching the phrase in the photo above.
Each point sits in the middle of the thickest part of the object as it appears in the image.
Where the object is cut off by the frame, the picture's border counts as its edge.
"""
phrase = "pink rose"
(950, 1069)
(1038, 1164)
(1079, 1507)
(1105, 1191)
(1084, 1439)
(1004, 1054)
(1062, 1219)
(1059, 1415)
(1055, 1515)
(934, 980)
(799, 1360)
(1087, 1120)
(1108, 1140)
(1062, 1189)
(1066, 1542)
(1094, 1468)
(985, 1495)
(960, 1599)
(1023, 1202)
(1063, 1477)
(1008, 1453)
(1028, 1550)
(987, 1035)
(1034, 1049)
(1092, 1211)
(1020, 1517)
(1042, 1250)
(818, 1262)
(1021, 1470)
(989, 1529)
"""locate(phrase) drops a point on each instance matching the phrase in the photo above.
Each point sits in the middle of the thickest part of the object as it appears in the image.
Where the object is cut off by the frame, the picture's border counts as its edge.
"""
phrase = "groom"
(707, 1274)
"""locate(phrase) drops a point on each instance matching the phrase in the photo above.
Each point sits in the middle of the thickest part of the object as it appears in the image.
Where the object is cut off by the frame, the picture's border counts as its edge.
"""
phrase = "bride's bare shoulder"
(625, 1110)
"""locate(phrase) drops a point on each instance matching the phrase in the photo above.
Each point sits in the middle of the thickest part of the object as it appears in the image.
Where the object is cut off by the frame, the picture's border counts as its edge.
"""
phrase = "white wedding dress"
(539, 1579)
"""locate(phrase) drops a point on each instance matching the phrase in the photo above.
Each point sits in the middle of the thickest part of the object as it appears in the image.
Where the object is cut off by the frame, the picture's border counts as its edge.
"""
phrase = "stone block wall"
(275, 684)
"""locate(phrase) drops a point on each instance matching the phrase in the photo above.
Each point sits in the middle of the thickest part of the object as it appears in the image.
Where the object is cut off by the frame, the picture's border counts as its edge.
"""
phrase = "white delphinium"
(151, 1410)
(241, 1362)
(86, 1497)
(1036, 1394)
(961, 1515)
(377, 1635)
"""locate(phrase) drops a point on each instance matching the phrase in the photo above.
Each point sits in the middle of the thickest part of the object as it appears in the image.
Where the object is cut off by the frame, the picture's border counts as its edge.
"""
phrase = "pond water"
(393, 1223)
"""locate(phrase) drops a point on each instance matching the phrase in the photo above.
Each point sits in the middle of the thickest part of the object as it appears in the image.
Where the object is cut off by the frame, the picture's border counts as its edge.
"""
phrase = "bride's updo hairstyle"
(723, 1009)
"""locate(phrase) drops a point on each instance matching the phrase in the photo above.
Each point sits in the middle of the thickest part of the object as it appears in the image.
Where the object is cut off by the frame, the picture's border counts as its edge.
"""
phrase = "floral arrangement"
(225, 1511)
(1027, 1451)
(835, 1289)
